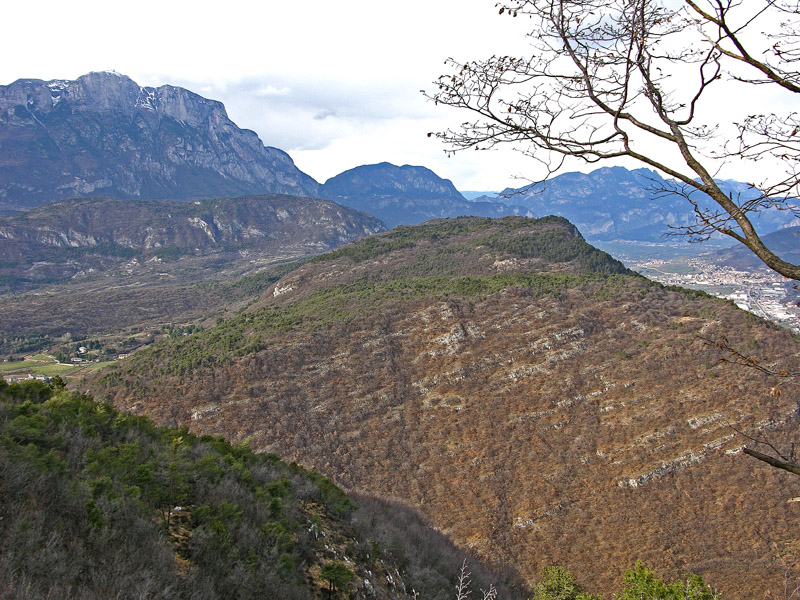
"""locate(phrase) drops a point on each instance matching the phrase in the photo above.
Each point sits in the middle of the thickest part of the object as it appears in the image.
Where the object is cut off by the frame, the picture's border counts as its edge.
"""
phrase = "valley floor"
(762, 293)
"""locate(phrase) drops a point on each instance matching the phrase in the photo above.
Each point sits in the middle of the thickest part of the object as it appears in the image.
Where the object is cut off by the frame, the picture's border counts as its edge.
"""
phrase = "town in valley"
(761, 292)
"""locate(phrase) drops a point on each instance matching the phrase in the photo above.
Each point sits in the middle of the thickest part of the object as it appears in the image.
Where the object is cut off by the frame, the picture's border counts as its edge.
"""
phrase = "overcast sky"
(336, 84)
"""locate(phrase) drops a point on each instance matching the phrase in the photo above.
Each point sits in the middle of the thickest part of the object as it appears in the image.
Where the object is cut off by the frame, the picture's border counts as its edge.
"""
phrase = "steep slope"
(97, 504)
(614, 203)
(406, 195)
(539, 403)
(93, 237)
(104, 135)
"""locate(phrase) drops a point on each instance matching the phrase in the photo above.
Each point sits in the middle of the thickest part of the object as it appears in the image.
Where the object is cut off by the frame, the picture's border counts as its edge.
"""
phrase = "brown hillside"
(536, 410)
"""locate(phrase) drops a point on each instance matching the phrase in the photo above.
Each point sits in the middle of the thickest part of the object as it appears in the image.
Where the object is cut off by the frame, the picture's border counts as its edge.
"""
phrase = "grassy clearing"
(53, 369)
(95, 366)
(40, 364)
(23, 365)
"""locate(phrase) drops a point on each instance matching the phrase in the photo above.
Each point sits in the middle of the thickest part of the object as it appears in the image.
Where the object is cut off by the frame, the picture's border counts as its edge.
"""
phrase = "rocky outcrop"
(104, 135)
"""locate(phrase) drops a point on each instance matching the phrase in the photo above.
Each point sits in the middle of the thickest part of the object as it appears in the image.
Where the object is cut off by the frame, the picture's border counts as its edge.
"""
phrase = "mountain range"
(613, 203)
(103, 135)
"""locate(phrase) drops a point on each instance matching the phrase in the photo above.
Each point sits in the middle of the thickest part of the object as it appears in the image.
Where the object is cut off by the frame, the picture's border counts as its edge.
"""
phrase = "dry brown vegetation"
(118, 307)
(97, 504)
(553, 418)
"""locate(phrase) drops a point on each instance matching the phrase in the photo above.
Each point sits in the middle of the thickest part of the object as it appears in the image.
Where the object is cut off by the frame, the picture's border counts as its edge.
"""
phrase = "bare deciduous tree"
(465, 579)
(639, 79)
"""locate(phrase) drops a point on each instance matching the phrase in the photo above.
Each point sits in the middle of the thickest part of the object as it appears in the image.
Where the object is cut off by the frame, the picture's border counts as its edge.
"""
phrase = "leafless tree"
(640, 79)
(462, 587)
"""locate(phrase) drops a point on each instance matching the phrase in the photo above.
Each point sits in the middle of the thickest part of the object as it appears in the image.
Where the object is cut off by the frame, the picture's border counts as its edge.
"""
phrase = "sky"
(336, 84)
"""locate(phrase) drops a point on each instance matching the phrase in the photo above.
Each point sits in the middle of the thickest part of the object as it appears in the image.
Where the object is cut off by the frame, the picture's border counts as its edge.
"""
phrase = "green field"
(40, 364)
(21, 366)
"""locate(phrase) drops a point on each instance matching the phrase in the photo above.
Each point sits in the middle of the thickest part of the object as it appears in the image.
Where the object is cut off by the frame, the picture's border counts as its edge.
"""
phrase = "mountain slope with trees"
(785, 241)
(98, 504)
(539, 402)
(84, 238)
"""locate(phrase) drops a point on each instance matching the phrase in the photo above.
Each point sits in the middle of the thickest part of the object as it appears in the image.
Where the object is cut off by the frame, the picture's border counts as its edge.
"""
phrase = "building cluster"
(764, 293)
(28, 377)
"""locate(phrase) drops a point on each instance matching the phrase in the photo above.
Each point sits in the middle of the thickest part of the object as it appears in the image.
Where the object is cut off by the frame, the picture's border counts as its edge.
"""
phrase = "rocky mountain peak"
(103, 91)
(105, 135)
(108, 91)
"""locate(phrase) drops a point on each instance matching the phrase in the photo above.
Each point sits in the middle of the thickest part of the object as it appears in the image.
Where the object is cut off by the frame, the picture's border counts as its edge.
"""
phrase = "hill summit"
(539, 402)
(406, 195)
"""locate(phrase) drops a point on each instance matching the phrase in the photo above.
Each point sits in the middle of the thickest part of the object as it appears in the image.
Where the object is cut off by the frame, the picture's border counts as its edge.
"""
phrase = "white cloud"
(304, 76)
(336, 84)
(273, 91)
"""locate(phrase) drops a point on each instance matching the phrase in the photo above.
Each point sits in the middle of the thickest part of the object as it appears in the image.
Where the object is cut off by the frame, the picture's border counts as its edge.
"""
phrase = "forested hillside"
(540, 403)
(98, 504)
(107, 240)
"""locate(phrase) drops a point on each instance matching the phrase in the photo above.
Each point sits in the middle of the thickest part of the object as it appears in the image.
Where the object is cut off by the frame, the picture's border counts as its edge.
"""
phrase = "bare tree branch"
(784, 465)
(610, 79)
(736, 357)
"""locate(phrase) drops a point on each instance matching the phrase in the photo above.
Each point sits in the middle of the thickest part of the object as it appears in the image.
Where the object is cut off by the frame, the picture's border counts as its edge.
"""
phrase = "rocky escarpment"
(540, 403)
(75, 238)
(104, 135)
(406, 195)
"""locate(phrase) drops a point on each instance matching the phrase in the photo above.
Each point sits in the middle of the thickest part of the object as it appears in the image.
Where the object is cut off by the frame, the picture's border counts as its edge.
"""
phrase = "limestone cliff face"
(104, 135)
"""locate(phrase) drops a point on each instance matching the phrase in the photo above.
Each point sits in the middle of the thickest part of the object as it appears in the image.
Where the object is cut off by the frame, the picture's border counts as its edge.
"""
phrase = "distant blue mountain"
(473, 195)
(406, 195)
(613, 203)
(785, 243)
